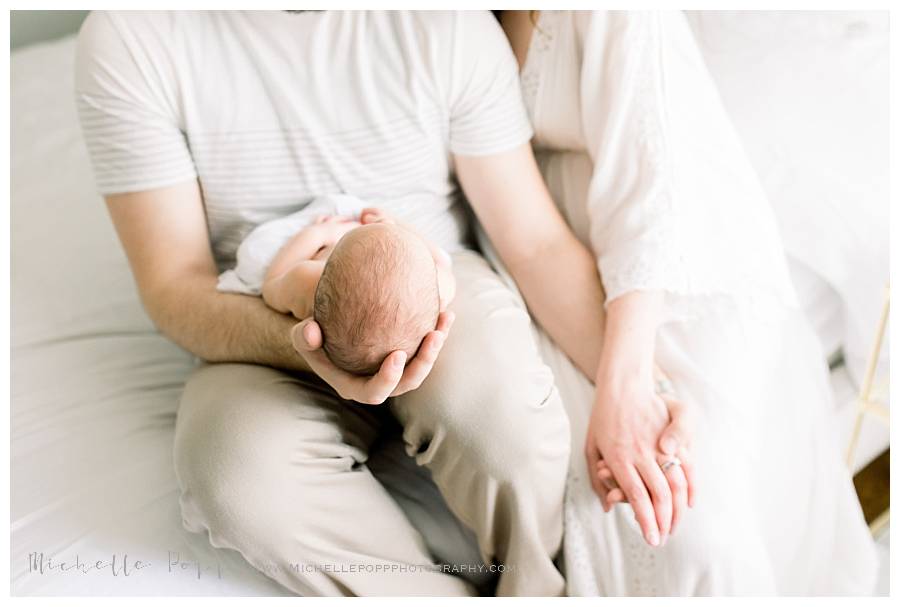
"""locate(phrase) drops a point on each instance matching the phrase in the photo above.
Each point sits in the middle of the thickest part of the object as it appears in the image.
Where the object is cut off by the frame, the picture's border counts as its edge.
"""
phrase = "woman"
(639, 154)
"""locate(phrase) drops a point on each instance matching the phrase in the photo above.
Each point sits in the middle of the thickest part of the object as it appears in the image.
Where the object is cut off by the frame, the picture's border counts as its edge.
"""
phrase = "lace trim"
(542, 37)
(583, 569)
(665, 260)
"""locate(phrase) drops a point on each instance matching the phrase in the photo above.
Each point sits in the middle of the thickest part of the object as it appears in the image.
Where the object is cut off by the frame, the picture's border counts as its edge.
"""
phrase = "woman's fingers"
(678, 485)
(633, 487)
(660, 493)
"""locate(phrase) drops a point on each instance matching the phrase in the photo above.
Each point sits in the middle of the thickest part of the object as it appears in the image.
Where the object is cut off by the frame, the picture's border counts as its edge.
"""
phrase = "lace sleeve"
(673, 202)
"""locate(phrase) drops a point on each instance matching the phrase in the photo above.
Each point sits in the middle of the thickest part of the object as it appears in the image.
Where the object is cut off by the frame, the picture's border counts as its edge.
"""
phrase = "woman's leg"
(717, 548)
(273, 466)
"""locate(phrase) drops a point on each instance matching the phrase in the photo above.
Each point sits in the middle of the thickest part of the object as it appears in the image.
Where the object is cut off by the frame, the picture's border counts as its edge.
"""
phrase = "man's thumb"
(675, 434)
(306, 336)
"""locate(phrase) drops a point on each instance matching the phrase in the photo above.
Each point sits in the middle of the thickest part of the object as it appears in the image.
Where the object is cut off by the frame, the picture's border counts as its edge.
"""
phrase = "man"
(202, 125)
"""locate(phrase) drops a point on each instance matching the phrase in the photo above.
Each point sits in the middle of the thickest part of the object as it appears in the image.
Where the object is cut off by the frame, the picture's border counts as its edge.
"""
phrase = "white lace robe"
(642, 160)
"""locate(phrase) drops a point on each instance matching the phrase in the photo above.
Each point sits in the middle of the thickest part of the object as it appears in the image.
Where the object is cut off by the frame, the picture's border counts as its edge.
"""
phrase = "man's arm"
(165, 236)
(556, 273)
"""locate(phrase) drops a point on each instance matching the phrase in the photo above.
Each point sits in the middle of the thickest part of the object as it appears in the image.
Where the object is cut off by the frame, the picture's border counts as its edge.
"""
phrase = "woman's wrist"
(629, 343)
(616, 373)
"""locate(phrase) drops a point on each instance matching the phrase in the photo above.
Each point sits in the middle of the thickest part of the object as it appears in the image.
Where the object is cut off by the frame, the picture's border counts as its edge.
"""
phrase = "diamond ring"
(669, 463)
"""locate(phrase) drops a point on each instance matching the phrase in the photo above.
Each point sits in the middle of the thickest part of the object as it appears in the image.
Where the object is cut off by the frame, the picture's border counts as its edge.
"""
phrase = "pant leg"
(489, 424)
(273, 465)
(449, 541)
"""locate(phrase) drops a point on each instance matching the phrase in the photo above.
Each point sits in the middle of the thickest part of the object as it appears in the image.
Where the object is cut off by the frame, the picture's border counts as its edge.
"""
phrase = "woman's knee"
(714, 555)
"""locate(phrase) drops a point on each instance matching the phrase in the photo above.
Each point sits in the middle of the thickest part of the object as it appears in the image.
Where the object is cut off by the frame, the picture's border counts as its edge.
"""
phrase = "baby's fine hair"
(378, 293)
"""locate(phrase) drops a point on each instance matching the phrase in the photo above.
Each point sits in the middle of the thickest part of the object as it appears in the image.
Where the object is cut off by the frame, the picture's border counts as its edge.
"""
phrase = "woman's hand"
(392, 378)
(674, 443)
(629, 418)
(626, 422)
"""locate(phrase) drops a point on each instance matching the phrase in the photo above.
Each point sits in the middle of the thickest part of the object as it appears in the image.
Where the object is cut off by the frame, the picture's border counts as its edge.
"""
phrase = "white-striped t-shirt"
(271, 109)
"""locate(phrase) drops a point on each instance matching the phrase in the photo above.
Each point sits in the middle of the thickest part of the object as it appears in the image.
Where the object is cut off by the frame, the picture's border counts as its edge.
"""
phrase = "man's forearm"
(223, 327)
(562, 288)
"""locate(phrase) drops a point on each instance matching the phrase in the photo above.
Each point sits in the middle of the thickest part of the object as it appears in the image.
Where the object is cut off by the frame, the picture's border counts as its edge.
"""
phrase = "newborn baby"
(372, 285)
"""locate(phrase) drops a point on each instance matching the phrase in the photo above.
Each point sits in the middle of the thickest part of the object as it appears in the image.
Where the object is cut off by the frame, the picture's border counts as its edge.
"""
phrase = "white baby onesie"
(260, 247)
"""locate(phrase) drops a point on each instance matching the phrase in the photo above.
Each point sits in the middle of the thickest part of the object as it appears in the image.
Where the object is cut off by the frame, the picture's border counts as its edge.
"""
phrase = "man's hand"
(391, 380)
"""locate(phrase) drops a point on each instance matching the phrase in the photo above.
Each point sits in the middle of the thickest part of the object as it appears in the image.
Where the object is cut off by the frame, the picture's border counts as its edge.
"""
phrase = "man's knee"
(507, 422)
(489, 391)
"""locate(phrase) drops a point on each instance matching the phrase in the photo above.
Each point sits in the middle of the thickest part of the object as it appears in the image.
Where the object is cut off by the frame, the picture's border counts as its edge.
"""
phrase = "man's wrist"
(285, 355)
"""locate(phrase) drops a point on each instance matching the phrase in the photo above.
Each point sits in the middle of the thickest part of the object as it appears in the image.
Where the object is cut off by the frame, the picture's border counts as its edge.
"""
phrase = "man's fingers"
(615, 496)
(660, 495)
(678, 433)
(347, 385)
(687, 467)
(421, 364)
(380, 386)
(592, 454)
(306, 336)
(633, 487)
(445, 321)
(606, 476)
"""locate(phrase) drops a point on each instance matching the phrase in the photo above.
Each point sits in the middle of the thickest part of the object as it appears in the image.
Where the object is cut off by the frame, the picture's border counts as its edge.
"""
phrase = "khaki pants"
(274, 465)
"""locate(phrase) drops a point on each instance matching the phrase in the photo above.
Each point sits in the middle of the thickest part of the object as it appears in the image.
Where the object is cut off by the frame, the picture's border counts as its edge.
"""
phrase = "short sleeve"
(487, 115)
(125, 100)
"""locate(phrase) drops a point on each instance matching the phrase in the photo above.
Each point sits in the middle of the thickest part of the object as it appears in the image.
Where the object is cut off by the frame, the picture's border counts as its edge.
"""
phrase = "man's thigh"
(273, 465)
(489, 382)
(242, 408)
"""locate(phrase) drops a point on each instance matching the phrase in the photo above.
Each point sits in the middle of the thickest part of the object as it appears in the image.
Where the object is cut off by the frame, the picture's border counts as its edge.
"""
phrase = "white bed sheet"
(94, 386)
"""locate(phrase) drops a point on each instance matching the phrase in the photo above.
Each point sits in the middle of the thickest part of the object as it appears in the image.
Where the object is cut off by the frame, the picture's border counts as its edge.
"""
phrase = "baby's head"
(378, 293)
